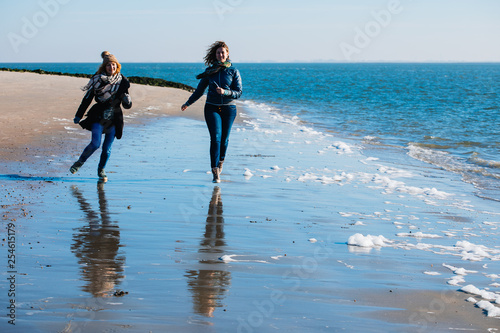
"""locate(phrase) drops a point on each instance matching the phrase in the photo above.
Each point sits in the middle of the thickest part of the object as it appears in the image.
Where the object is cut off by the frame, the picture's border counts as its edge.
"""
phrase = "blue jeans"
(219, 119)
(95, 143)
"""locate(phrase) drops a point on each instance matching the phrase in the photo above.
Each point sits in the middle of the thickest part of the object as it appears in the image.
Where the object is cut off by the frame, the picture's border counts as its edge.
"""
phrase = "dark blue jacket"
(228, 79)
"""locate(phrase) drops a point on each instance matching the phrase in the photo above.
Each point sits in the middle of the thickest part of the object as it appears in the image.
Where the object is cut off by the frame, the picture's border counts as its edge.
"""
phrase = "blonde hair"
(211, 58)
(107, 58)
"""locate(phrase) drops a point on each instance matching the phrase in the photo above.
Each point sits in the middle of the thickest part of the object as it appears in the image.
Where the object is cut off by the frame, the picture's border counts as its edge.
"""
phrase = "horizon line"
(271, 62)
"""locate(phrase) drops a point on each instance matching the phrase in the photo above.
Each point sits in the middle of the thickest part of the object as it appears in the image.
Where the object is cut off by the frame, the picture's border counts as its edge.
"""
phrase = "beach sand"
(38, 109)
(160, 248)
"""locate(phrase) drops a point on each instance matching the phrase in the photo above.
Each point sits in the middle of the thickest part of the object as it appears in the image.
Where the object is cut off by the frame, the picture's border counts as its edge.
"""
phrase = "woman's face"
(222, 54)
(111, 68)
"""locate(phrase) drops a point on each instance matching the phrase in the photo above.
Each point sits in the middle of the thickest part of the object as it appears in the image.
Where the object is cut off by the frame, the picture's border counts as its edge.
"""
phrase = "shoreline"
(38, 110)
(148, 81)
(167, 236)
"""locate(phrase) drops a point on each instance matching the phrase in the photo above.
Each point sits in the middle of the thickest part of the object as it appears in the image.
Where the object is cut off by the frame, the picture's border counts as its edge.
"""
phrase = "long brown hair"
(211, 57)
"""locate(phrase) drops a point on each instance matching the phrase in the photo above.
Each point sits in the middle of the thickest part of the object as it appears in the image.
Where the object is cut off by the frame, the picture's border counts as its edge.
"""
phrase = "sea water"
(446, 115)
(372, 185)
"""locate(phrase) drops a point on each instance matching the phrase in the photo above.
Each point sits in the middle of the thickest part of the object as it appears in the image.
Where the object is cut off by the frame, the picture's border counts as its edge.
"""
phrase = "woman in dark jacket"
(224, 86)
(109, 88)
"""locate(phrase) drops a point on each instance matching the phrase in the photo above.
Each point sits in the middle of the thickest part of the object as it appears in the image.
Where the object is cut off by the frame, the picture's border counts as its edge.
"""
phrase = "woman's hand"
(219, 90)
(184, 107)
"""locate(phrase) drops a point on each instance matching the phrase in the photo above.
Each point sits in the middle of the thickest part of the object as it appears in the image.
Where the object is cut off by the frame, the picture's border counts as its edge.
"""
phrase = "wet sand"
(160, 248)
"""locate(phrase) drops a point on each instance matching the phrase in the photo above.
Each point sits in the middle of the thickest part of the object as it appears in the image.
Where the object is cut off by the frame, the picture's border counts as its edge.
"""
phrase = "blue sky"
(256, 30)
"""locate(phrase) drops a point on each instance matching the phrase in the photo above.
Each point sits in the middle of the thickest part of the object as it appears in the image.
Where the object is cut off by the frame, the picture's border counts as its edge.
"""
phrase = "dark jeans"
(219, 119)
(95, 143)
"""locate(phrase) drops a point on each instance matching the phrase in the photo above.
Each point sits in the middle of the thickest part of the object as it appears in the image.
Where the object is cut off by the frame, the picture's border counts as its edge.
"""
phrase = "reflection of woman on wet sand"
(208, 285)
(96, 245)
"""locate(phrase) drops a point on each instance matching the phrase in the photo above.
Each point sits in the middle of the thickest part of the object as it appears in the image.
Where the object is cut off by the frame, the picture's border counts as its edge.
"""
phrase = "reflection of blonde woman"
(224, 86)
(110, 89)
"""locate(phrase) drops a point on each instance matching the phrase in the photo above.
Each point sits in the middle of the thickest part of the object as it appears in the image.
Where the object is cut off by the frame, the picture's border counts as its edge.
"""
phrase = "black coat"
(96, 112)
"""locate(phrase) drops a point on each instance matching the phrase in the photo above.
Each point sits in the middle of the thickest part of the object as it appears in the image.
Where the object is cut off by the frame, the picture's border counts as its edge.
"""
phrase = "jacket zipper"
(221, 96)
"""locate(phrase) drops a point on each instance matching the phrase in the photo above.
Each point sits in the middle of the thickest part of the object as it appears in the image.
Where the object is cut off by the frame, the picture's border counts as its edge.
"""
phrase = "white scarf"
(104, 86)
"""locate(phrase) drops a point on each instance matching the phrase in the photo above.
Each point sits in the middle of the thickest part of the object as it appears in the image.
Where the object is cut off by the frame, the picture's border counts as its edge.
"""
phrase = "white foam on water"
(456, 280)
(302, 154)
(491, 310)
(234, 258)
(269, 125)
(488, 295)
(418, 234)
(345, 264)
(474, 170)
(459, 270)
(248, 173)
(368, 240)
